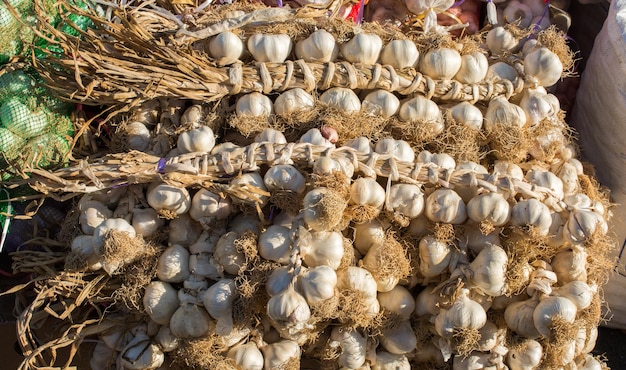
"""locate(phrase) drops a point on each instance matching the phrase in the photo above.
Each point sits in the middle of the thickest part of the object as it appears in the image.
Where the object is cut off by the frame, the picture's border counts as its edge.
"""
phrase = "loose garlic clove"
(406, 200)
(489, 208)
(434, 256)
(504, 114)
(473, 68)
(254, 104)
(398, 301)
(164, 197)
(362, 48)
(275, 244)
(500, 40)
(400, 149)
(325, 248)
(317, 284)
(173, 265)
(319, 47)
(92, 214)
(446, 206)
(160, 301)
(468, 115)
(269, 48)
(441, 64)
(342, 99)
(526, 356)
(400, 54)
(550, 308)
(382, 103)
(400, 339)
(246, 356)
(293, 101)
(543, 67)
(197, 140)
(226, 48)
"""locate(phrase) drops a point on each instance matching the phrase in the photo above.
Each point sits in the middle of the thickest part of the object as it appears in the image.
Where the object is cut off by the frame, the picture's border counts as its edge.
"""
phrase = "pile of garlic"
(359, 269)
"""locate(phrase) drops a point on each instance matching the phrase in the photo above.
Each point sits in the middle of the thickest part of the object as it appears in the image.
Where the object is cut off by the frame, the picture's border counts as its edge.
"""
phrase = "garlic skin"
(140, 353)
(138, 136)
(196, 140)
(292, 101)
(548, 180)
(549, 308)
(92, 214)
(488, 270)
(315, 211)
(320, 47)
(254, 104)
(269, 48)
(570, 264)
(400, 339)
(424, 110)
(467, 114)
(353, 347)
(532, 212)
(361, 144)
(406, 199)
(542, 67)
(500, 40)
(166, 340)
(173, 265)
(446, 206)
(342, 99)
(582, 224)
(207, 205)
(366, 191)
(578, 292)
(502, 113)
(489, 207)
(473, 68)
(434, 256)
(317, 284)
(184, 230)
(362, 48)
(218, 301)
(275, 244)
(169, 198)
(381, 102)
(146, 221)
(160, 301)
(284, 177)
(501, 71)
(246, 356)
(441, 64)
(400, 54)
(226, 48)
(400, 149)
(191, 320)
(399, 301)
(526, 356)
(325, 248)
(279, 354)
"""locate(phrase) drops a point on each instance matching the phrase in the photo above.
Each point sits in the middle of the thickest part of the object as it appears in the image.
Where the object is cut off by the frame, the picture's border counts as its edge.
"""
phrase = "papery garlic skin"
(138, 136)
(141, 355)
(196, 140)
(320, 47)
(536, 105)
(400, 54)
(468, 115)
(277, 355)
(464, 313)
(366, 191)
(502, 113)
(166, 340)
(473, 68)
(400, 149)
(315, 209)
(170, 198)
(279, 280)
(218, 301)
(445, 205)
(341, 98)
(357, 279)
(500, 40)
(160, 301)
(226, 48)
(361, 144)
(362, 48)
(227, 255)
(441, 63)
(570, 264)
(184, 230)
(488, 270)
(317, 284)
(579, 292)
(532, 212)
(92, 214)
(246, 356)
(422, 110)
(270, 48)
(254, 104)
(289, 309)
(173, 265)
(381, 102)
(390, 361)
(146, 221)
(518, 13)
(292, 101)
(501, 71)
(270, 135)
(191, 320)
(253, 180)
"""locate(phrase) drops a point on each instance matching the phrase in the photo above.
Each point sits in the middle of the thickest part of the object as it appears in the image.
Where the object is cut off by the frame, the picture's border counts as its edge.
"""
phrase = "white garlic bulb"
(532, 212)
(319, 47)
(441, 63)
(316, 209)
(227, 255)
(390, 361)
(543, 67)
(293, 100)
(317, 284)
(191, 320)
(342, 99)
(578, 292)
(519, 316)
(536, 105)
(489, 269)
(361, 144)
(400, 339)
(353, 347)
(502, 113)
(141, 353)
(226, 48)
(314, 136)
(251, 180)
(325, 248)
(362, 48)
(464, 313)
(196, 140)
(526, 356)
(92, 214)
(279, 280)
(427, 302)
(489, 207)
(281, 353)
(434, 255)
(366, 191)
(500, 40)
(173, 265)
(570, 264)
(400, 54)
(368, 234)
(169, 198)
(246, 356)
(381, 102)
(218, 301)
(548, 309)
(423, 110)
(467, 114)
(269, 48)
(406, 199)
(473, 68)
(288, 309)
(138, 136)
(284, 177)
(254, 104)
(501, 71)
(160, 301)
(400, 149)
(518, 13)
(206, 204)
(446, 206)
(146, 221)
(275, 244)
(184, 230)
(357, 279)
(582, 224)
(398, 301)
(270, 135)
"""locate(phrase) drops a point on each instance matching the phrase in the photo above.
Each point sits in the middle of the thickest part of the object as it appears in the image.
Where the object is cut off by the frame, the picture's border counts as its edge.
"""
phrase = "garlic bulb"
(292, 101)
(536, 106)
(489, 207)
(368, 234)
(526, 356)
(519, 316)
(488, 270)
(314, 136)
(434, 256)
(583, 224)
(532, 212)
(362, 48)
(173, 265)
(164, 197)
(320, 208)
(227, 255)
(325, 248)
(218, 301)
(275, 244)
(570, 264)
(357, 279)
(352, 344)
(501, 71)
(166, 340)
(464, 313)
(406, 200)
(342, 99)
(550, 308)
(279, 280)
(288, 309)
(251, 180)
(101, 356)
(138, 136)
(207, 205)
(92, 214)
(398, 301)
(278, 355)
(400, 149)
(502, 113)
(427, 302)
(476, 240)
(226, 48)
(518, 13)
(400, 339)
(184, 230)
(320, 47)
(441, 160)
(548, 180)
(246, 356)
(473, 68)
(588, 362)
(269, 48)
(578, 292)
(160, 301)
(381, 102)
(361, 144)
(317, 284)
(254, 104)
(423, 110)
(390, 361)
(196, 140)
(270, 135)
(468, 115)
(400, 54)
(191, 320)
(490, 336)
(146, 221)
(446, 206)
(474, 361)
(543, 67)
(500, 40)
(141, 353)
(366, 191)
(441, 63)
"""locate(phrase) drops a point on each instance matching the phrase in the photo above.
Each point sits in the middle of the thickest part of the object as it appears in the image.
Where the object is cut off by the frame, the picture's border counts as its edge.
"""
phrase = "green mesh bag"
(20, 120)
(15, 83)
(46, 150)
(10, 145)
(9, 32)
